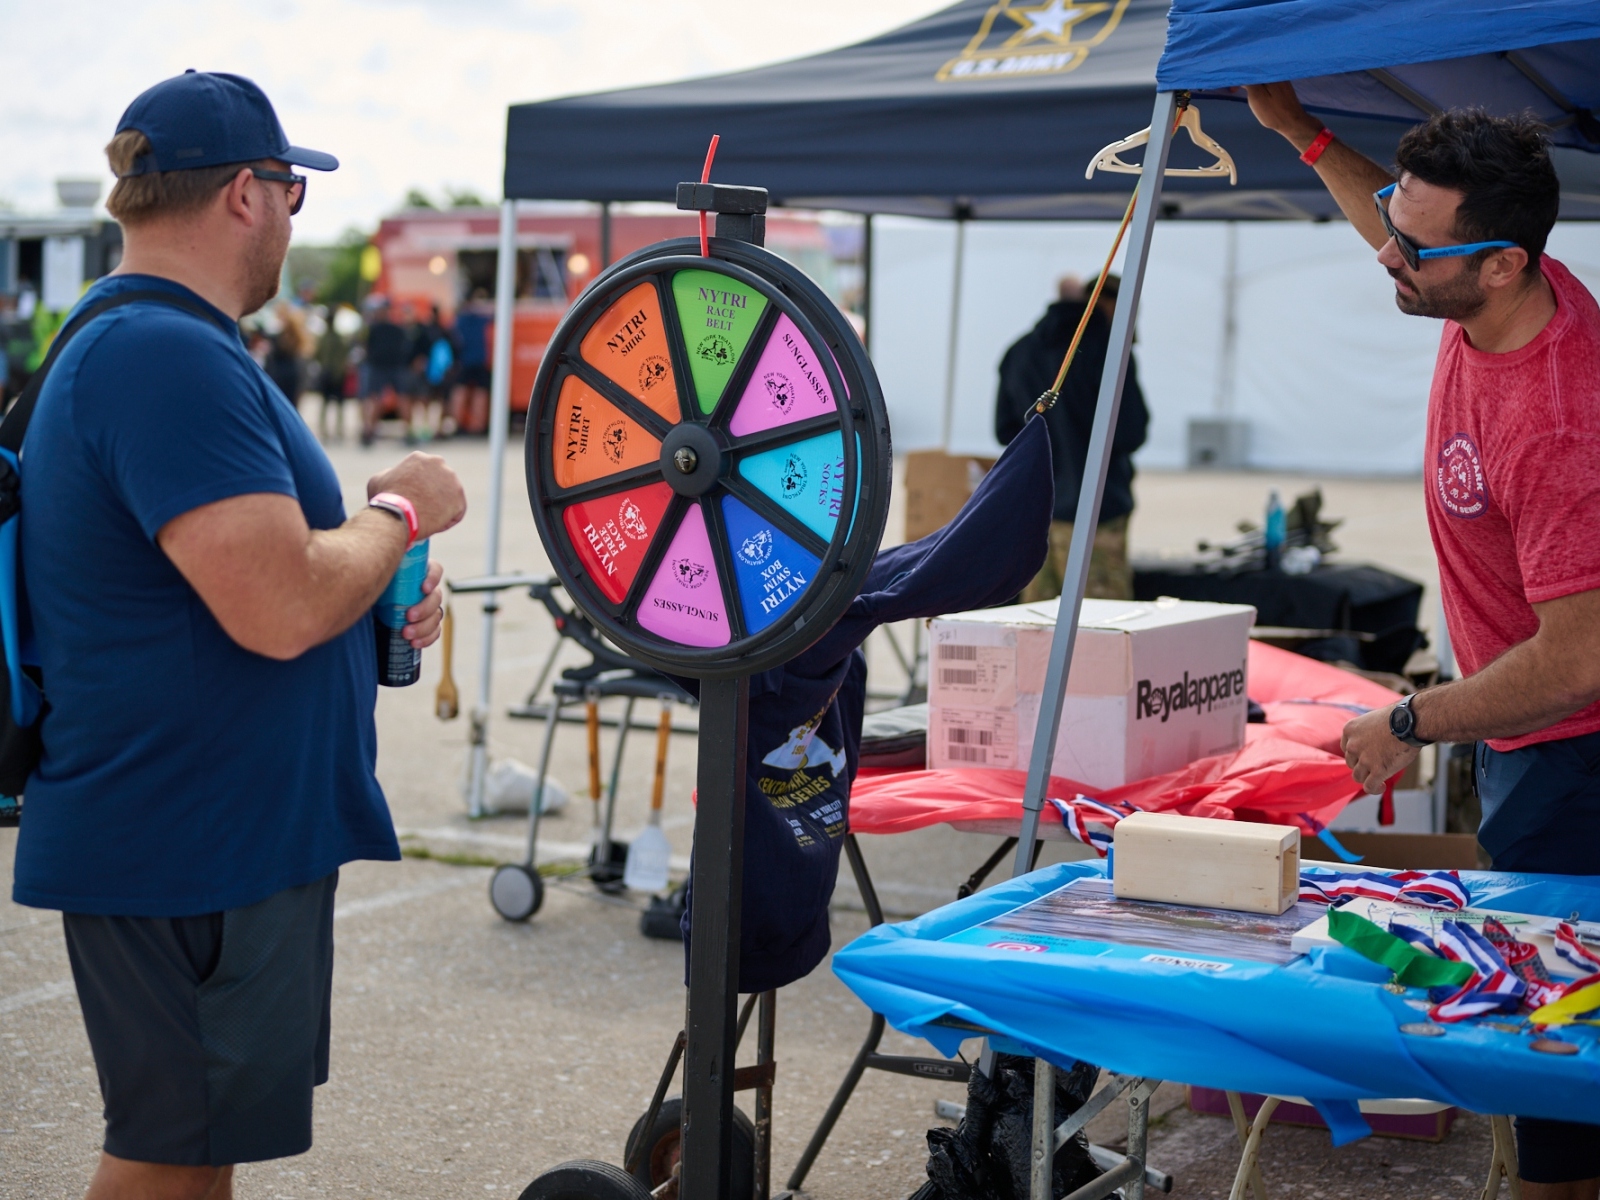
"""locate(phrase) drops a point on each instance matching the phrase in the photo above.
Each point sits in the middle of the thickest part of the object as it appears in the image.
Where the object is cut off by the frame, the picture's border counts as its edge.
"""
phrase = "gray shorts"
(209, 1032)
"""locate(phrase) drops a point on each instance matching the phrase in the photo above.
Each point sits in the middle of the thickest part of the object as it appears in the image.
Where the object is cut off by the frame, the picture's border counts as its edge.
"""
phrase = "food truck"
(441, 257)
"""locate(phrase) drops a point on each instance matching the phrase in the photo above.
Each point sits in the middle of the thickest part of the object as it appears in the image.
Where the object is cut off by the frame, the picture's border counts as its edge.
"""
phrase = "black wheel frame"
(861, 421)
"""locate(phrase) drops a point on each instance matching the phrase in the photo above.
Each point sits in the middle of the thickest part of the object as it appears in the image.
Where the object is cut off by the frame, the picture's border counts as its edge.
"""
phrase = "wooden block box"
(1237, 865)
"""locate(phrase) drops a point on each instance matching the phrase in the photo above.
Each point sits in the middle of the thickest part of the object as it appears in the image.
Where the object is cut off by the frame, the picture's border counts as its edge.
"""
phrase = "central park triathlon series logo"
(1020, 39)
(1459, 476)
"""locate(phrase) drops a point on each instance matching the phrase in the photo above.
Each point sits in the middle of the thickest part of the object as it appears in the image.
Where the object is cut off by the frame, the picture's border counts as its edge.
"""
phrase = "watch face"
(1401, 721)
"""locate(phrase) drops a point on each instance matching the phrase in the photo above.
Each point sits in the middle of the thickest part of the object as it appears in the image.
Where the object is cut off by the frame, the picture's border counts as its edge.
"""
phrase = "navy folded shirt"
(805, 717)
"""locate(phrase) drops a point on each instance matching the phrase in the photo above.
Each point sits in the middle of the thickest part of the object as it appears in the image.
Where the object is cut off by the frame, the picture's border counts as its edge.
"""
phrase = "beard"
(263, 268)
(1457, 299)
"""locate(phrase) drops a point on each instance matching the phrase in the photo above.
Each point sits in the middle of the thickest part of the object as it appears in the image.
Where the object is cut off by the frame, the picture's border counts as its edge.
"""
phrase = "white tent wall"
(1330, 376)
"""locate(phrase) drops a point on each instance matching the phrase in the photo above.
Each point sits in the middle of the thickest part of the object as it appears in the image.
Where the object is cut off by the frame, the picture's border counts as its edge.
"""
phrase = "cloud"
(406, 92)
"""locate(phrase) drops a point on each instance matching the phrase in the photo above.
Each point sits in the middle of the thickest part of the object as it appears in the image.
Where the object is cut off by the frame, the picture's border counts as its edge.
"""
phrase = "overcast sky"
(405, 92)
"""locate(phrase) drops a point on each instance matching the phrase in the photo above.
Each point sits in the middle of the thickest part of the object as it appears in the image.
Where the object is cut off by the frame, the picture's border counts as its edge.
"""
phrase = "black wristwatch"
(1403, 723)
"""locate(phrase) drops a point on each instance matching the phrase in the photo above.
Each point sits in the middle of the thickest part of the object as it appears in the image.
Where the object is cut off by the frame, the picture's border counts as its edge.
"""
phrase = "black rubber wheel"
(655, 1168)
(585, 1179)
(516, 891)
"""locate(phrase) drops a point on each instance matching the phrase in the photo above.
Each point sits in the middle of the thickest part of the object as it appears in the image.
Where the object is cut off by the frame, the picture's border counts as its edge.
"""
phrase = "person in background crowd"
(388, 371)
(1513, 499)
(1028, 369)
(333, 362)
(469, 400)
(435, 370)
(286, 356)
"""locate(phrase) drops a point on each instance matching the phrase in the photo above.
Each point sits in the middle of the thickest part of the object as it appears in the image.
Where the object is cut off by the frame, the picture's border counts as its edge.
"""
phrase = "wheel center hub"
(693, 459)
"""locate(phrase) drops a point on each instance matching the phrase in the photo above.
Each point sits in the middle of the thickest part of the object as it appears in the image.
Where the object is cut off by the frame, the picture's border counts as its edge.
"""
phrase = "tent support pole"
(605, 234)
(948, 417)
(866, 281)
(1094, 476)
(505, 309)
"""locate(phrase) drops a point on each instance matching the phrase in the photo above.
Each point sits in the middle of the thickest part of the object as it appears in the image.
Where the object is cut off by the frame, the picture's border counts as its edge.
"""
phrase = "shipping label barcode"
(982, 737)
(960, 653)
(973, 754)
(955, 675)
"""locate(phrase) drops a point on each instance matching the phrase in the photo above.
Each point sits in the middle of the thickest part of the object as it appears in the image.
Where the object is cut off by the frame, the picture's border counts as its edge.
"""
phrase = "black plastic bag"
(988, 1155)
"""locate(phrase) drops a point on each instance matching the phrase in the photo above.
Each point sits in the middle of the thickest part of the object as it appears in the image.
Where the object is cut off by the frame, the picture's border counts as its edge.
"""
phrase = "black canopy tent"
(989, 110)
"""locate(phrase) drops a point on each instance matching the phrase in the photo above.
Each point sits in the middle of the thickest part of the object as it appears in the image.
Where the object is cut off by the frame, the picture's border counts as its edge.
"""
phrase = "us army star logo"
(1047, 38)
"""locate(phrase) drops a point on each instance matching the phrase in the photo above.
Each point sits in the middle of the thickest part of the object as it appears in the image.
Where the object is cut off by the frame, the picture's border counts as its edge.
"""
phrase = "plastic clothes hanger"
(1108, 160)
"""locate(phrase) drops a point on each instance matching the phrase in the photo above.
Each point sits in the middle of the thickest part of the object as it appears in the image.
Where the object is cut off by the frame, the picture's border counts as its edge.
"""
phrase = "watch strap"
(393, 502)
(1403, 723)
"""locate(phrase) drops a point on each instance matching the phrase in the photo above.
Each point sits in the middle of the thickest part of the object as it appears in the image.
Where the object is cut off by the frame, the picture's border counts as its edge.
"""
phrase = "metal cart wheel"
(516, 891)
(663, 1142)
(585, 1179)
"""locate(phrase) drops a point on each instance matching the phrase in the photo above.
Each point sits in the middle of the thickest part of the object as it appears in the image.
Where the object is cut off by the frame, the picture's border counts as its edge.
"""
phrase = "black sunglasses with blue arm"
(1413, 253)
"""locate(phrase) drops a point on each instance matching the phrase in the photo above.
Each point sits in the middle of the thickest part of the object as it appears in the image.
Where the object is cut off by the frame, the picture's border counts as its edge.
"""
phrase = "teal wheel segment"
(770, 568)
(806, 478)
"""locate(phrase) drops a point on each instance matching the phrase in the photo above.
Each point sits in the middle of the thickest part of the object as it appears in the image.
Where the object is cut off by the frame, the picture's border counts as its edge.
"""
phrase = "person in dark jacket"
(1027, 370)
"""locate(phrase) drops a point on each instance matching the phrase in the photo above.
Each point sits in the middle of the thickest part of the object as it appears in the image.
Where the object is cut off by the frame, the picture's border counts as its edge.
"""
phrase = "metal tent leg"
(1094, 475)
(505, 287)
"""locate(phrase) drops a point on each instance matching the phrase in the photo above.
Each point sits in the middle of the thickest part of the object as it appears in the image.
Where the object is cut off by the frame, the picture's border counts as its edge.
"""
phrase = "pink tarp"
(1289, 771)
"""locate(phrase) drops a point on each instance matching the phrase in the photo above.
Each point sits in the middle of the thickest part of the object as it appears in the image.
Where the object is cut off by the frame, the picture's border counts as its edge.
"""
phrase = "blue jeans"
(1541, 813)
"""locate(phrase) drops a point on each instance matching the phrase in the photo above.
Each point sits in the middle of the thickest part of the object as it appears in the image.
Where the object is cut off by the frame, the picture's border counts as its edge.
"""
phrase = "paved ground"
(470, 1053)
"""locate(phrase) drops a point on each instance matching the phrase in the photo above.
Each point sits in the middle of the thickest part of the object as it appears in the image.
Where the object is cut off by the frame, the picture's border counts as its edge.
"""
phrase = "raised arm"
(1350, 176)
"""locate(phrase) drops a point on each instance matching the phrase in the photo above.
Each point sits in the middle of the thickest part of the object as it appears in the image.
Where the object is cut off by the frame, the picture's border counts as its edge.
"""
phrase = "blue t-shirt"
(472, 331)
(182, 774)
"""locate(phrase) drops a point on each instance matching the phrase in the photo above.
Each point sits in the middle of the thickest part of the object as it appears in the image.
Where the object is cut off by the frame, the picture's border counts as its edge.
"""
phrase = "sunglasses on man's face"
(297, 185)
(1413, 253)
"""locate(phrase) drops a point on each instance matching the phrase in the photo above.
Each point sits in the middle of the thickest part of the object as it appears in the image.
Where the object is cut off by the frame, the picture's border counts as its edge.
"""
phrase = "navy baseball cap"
(208, 119)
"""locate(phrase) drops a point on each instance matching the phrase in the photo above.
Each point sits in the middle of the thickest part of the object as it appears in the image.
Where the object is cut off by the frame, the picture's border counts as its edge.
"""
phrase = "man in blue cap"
(200, 601)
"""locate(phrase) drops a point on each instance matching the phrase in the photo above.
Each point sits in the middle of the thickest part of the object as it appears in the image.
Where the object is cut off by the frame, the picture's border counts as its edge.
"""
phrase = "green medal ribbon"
(1412, 965)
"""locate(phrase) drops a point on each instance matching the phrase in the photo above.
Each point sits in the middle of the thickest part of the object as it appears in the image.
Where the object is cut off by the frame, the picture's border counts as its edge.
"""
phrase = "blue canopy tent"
(1398, 60)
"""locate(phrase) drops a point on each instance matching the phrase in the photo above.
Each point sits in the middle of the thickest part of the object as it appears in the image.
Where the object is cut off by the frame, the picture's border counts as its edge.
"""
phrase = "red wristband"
(401, 507)
(1318, 144)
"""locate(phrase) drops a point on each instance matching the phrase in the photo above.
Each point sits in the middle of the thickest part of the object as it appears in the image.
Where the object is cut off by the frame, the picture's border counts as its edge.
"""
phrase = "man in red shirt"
(1512, 478)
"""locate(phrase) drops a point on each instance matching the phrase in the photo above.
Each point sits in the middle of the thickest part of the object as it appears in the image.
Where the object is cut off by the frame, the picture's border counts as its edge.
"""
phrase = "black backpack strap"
(15, 426)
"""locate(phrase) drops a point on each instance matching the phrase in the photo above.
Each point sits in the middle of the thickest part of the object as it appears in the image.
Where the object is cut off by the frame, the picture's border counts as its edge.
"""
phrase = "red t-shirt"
(1513, 483)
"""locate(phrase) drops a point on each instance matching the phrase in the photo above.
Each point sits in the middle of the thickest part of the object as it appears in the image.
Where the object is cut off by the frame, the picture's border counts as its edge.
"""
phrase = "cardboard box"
(1153, 686)
(1238, 865)
(1402, 851)
(937, 485)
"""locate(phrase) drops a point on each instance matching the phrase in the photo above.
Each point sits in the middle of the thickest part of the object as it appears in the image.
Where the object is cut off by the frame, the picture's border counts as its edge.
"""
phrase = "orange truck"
(441, 257)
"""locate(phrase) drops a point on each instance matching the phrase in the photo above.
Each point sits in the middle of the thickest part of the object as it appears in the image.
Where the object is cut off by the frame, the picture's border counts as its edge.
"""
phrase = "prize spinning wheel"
(708, 463)
(708, 458)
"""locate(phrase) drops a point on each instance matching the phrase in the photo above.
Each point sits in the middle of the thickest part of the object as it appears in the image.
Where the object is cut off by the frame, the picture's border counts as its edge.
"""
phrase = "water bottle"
(399, 662)
(1273, 534)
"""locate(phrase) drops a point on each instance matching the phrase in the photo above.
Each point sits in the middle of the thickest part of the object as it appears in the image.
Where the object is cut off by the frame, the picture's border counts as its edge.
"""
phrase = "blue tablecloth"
(1321, 1027)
